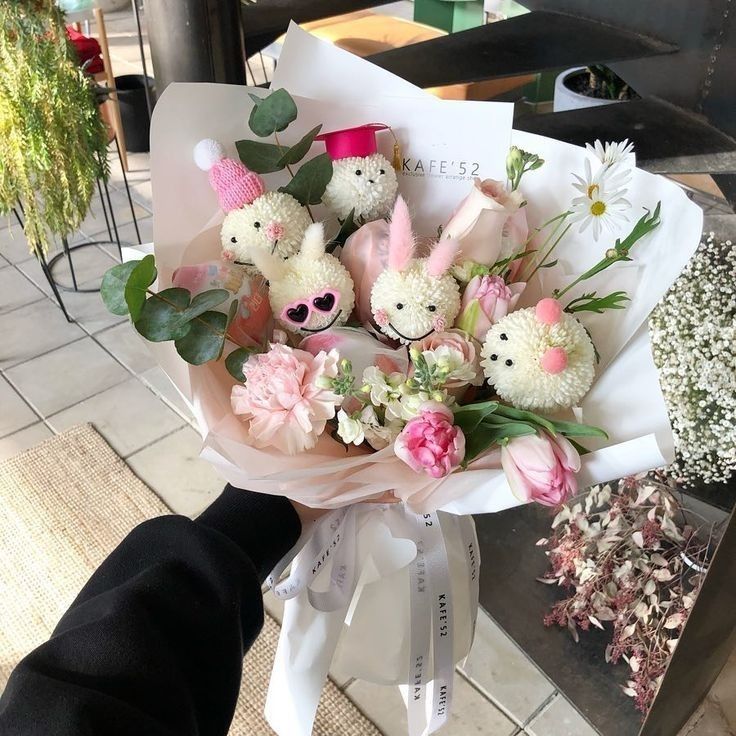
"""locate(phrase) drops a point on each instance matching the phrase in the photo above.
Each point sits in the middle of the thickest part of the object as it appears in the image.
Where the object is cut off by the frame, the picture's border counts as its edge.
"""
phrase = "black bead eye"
(257, 225)
(494, 356)
(233, 239)
(432, 308)
(399, 306)
(503, 336)
(358, 172)
(381, 172)
(509, 362)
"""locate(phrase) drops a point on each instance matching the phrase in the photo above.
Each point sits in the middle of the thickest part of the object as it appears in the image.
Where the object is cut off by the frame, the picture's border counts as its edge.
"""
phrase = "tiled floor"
(54, 374)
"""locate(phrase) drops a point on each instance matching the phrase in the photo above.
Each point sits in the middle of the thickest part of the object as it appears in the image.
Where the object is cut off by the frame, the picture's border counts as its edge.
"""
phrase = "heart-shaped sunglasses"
(298, 312)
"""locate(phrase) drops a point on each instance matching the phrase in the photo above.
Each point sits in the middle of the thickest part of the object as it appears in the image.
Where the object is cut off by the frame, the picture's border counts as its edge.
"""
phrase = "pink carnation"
(282, 398)
(430, 443)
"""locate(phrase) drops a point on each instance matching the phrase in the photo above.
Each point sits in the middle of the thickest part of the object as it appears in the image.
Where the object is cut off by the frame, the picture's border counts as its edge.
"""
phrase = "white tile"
(503, 672)
(127, 346)
(470, 714)
(160, 382)
(16, 290)
(129, 416)
(128, 236)
(560, 718)
(23, 440)
(172, 467)
(65, 376)
(15, 414)
(13, 244)
(94, 224)
(35, 329)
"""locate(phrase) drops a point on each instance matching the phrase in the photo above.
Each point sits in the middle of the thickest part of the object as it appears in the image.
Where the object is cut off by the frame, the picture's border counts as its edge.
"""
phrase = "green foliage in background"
(53, 142)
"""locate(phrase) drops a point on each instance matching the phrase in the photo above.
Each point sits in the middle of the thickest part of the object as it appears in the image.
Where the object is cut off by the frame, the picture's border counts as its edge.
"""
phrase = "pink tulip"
(487, 299)
(430, 443)
(541, 468)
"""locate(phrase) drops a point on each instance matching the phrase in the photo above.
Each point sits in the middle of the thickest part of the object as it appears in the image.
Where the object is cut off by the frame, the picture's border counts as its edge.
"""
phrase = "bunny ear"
(400, 237)
(271, 266)
(313, 244)
(441, 257)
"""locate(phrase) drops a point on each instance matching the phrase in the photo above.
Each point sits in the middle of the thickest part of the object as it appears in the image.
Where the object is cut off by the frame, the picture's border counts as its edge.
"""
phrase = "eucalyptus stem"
(291, 172)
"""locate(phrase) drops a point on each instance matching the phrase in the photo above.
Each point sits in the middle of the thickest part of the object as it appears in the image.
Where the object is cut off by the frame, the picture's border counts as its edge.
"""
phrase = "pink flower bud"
(487, 299)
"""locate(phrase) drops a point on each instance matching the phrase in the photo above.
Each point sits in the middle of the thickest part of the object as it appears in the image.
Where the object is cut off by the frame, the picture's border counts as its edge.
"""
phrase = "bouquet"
(384, 333)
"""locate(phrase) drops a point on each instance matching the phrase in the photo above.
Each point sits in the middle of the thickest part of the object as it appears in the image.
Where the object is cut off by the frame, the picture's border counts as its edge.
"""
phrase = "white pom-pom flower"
(539, 358)
(310, 292)
(274, 223)
(366, 185)
(207, 153)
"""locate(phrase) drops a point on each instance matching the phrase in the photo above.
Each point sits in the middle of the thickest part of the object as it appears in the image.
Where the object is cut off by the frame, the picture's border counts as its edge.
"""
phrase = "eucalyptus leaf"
(299, 150)
(310, 182)
(160, 318)
(272, 114)
(263, 158)
(204, 339)
(236, 360)
(232, 312)
(203, 302)
(113, 285)
(141, 277)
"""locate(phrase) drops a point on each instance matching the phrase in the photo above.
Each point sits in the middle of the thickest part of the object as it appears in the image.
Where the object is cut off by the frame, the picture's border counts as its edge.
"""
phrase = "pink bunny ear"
(400, 237)
(441, 257)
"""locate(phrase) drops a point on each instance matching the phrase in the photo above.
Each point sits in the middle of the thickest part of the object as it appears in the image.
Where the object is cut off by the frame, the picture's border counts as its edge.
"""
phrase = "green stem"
(549, 252)
(291, 172)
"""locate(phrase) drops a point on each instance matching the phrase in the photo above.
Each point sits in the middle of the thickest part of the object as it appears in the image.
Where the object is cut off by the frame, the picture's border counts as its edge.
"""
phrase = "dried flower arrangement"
(633, 559)
(693, 332)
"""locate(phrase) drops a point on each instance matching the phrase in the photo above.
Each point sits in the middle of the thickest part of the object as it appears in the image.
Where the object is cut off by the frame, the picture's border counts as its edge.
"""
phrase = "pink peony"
(430, 443)
(541, 468)
(486, 300)
(282, 398)
(490, 223)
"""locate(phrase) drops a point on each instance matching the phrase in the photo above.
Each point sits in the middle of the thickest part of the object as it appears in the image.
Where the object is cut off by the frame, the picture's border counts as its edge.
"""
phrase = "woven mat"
(64, 505)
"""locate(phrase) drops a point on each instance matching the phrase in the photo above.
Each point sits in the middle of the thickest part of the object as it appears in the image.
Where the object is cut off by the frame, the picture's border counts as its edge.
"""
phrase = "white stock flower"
(377, 435)
(602, 200)
(349, 430)
(383, 388)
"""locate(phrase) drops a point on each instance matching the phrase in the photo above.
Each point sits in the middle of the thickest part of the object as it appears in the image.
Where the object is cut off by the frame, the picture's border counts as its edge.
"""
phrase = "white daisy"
(613, 153)
(602, 200)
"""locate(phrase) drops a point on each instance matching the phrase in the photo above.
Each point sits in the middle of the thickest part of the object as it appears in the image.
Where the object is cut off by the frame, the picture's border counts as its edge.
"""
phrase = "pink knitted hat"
(235, 184)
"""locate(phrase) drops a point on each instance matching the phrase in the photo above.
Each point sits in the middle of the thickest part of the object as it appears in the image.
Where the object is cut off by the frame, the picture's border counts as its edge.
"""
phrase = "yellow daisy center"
(597, 208)
(592, 191)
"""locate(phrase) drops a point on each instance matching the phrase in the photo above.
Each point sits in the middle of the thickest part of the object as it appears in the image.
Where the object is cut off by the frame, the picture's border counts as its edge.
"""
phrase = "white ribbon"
(333, 539)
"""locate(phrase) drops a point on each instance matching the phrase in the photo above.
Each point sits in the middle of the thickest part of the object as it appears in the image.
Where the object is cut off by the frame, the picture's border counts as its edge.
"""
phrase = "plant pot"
(131, 92)
(567, 99)
(110, 6)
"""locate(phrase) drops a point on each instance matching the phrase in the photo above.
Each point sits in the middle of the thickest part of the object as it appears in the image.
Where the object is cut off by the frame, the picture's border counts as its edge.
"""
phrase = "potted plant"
(589, 87)
(53, 142)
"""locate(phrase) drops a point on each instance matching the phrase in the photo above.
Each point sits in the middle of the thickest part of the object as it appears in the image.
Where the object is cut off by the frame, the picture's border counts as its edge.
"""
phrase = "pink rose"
(467, 360)
(490, 223)
(282, 398)
(486, 300)
(430, 443)
(541, 468)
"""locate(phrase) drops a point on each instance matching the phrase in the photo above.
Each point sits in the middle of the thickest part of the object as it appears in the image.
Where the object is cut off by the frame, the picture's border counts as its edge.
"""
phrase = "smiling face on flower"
(310, 292)
(366, 184)
(274, 223)
(414, 297)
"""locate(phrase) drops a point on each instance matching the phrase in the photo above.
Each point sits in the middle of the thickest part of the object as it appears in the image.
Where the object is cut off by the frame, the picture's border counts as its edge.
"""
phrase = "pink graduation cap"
(359, 141)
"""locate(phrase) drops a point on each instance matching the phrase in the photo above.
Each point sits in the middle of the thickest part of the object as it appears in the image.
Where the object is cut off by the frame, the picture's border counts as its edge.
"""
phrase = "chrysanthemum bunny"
(311, 291)
(273, 222)
(414, 297)
(363, 180)
(539, 358)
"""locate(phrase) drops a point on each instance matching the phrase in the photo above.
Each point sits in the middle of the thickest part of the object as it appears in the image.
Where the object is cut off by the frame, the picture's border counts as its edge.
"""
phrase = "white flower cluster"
(693, 331)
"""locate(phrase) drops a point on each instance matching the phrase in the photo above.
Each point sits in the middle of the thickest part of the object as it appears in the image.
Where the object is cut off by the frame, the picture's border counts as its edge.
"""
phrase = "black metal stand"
(136, 13)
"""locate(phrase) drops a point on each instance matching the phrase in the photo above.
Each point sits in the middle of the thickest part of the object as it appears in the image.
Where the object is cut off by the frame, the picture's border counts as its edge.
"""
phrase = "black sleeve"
(153, 645)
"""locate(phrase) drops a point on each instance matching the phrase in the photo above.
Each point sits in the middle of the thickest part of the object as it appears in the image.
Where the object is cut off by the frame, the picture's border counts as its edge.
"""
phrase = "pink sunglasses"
(298, 312)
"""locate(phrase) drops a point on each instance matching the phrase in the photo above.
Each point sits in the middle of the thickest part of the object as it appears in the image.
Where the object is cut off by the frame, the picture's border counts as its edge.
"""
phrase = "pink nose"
(554, 360)
(274, 231)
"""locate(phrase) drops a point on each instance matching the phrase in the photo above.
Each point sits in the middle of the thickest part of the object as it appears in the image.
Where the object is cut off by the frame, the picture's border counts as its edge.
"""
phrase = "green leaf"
(310, 182)
(204, 340)
(113, 285)
(203, 302)
(347, 227)
(477, 442)
(141, 277)
(272, 114)
(232, 312)
(573, 429)
(160, 318)
(509, 430)
(525, 416)
(299, 150)
(468, 417)
(236, 360)
(263, 158)
(591, 303)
